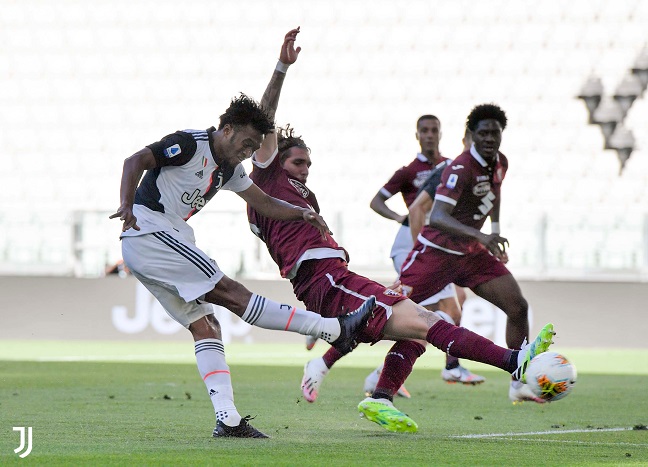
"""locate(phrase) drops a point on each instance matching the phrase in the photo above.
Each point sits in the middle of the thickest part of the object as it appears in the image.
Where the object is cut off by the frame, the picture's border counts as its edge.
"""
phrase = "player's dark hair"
(485, 112)
(244, 110)
(427, 117)
(287, 139)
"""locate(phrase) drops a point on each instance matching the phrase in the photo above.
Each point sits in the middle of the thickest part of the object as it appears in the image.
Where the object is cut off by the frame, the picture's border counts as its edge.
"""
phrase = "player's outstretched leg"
(519, 391)
(242, 430)
(383, 412)
(372, 380)
(351, 324)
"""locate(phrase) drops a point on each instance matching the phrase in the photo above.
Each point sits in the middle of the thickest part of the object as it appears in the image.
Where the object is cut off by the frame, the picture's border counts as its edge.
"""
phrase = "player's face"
(297, 164)
(428, 135)
(487, 137)
(239, 143)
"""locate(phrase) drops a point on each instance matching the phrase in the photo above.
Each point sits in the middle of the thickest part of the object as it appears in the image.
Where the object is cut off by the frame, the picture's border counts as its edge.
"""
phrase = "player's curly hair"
(287, 139)
(485, 112)
(244, 110)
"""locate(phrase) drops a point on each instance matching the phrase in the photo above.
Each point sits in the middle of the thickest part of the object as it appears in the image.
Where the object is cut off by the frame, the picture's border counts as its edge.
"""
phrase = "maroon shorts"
(327, 287)
(427, 270)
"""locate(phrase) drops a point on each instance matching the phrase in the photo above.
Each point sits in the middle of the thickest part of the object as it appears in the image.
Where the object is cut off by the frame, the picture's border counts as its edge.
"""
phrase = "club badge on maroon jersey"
(299, 187)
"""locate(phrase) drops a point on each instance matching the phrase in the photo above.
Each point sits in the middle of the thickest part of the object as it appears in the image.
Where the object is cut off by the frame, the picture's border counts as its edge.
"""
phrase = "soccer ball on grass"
(551, 376)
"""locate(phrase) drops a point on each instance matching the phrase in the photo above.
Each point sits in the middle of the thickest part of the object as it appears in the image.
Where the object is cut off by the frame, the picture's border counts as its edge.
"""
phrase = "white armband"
(495, 228)
(281, 67)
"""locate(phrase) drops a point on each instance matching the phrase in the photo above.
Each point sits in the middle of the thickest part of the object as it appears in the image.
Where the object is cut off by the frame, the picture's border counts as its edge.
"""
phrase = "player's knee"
(230, 294)
(206, 327)
(519, 309)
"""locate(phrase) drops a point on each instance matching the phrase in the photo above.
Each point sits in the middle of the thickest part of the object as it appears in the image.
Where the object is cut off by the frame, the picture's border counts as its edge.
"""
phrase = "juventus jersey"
(185, 178)
(472, 185)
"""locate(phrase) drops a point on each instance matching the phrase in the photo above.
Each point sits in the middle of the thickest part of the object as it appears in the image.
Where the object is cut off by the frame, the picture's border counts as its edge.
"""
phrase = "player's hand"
(126, 214)
(401, 219)
(317, 221)
(496, 245)
(504, 258)
(289, 53)
(396, 287)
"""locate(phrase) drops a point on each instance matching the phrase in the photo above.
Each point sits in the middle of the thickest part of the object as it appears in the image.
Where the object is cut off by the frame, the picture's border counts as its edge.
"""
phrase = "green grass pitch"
(120, 404)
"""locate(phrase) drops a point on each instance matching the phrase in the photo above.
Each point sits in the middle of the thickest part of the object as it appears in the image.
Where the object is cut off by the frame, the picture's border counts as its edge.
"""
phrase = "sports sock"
(398, 365)
(451, 360)
(319, 365)
(462, 343)
(210, 357)
(331, 356)
(269, 314)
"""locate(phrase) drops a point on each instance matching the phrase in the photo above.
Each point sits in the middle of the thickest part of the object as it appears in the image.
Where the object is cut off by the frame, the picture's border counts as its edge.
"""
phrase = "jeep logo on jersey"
(299, 187)
(194, 200)
(172, 151)
(481, 188)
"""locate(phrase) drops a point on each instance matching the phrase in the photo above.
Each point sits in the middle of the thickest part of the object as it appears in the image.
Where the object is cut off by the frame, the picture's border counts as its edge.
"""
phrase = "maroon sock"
(398, 365)
(331, 356)
(462, 343)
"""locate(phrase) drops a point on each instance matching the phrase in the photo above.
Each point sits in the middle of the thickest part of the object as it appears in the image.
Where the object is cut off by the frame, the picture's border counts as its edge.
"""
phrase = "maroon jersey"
(472, 185)
(407, 180)
(289, 242)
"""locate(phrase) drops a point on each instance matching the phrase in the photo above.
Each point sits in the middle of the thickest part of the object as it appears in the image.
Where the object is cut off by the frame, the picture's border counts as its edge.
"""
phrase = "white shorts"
(175, 271)
(403, 244)
(446, 292)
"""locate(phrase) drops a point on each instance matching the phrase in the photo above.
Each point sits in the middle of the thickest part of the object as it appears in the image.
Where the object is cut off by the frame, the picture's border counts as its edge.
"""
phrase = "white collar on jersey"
(478, 158)
(422, 157)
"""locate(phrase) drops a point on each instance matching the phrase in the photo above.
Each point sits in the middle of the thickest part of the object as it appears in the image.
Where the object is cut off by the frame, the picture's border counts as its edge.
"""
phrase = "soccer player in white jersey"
(184, 171)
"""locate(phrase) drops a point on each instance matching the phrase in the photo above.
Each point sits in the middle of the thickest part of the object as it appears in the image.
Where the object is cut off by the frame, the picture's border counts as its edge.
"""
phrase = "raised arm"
(270, 100)
(134, 167)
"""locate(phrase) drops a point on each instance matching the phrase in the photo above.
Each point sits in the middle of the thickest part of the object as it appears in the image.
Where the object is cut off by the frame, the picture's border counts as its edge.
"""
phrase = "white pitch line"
(588, 443)
(556, 432)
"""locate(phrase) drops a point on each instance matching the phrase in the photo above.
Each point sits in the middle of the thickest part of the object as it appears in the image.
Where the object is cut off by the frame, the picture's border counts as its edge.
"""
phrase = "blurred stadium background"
(84, 85)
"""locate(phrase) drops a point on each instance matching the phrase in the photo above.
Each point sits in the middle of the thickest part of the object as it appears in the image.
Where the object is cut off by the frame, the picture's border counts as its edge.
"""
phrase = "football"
(551, 376)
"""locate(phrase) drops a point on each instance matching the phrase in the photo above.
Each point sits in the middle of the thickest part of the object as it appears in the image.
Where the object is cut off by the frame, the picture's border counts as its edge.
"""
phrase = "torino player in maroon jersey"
(317, 268)
(407, 181)
(452, 247)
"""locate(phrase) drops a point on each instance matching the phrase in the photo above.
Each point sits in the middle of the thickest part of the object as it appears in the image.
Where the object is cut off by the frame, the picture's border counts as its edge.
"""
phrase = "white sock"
(210, 356)
(269, 314)
(318, 365)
